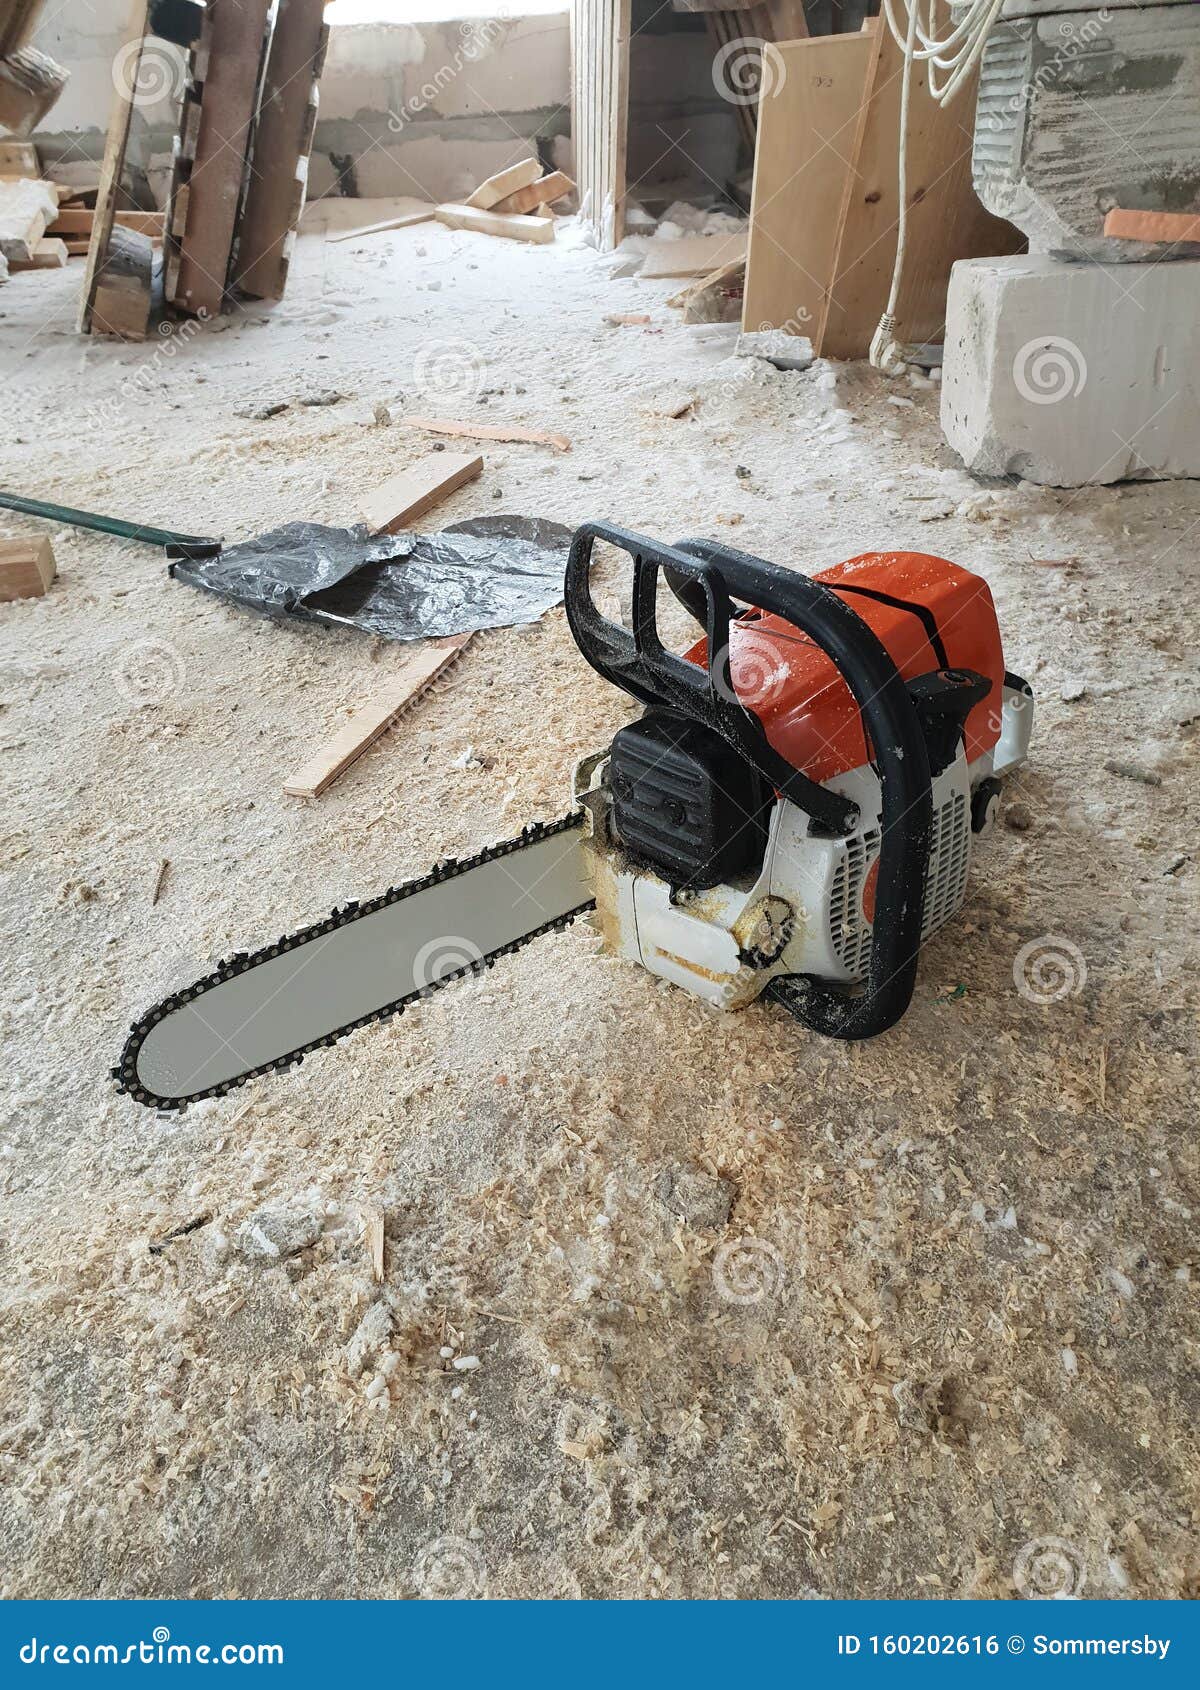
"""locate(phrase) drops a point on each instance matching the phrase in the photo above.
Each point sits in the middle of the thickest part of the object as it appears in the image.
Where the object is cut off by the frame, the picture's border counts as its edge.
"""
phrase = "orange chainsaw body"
(809, 713)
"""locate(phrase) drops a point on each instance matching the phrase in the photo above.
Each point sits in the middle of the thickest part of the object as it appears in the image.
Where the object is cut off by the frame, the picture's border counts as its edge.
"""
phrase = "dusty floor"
(975, 1324)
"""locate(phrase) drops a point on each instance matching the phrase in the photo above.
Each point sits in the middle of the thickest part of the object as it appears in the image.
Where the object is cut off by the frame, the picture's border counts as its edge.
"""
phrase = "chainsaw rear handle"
(637, 662)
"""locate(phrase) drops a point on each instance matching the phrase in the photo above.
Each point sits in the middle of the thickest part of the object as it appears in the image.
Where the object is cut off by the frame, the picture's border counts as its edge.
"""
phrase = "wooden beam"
(27, 568)
(419, 664)
(203, 222)
(25, 210)
(403, 221)
(399, 501)
(487, 431)
(47, 255)
(282, 142)
(600, 114)
(19, 158)
(125, 286)
(504, 182)
(556, 186)
(129, 57)
(78, 220)
(539, 230)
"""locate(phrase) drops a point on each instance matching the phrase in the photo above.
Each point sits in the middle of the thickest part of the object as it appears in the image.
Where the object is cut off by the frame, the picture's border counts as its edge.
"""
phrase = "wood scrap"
(19, 158)
(503, 183)
(47, 255)
(30, 83)
(693, 255)
(487, 431)
(715, 298)
(282, 142)
(399, 501)
(27, 568)
(628, 319)
(556, 186)
(117, 139)
(419, 664)
(124, 291)
(1170, 227)
(26, 208)
(374, 1237)
(160, 879)
(536, 229)
(404, 220)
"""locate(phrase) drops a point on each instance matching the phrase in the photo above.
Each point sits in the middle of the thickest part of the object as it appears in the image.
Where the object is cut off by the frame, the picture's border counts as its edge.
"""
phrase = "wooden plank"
(282, 143)
(30, 84)
(539, 230)
(19, 158)
(17, 21)
(600, 114)
(47, 255)
(806, 127)
(503, 183)
(1168, 226)
(401, 499)
(78, 220)
(693, 255)
(27, 568)
(419, 664)
(404, 221)
(487, 431)
(25, 210)
(130, 59)
(556, 186)
(232, 47)
(945, 219)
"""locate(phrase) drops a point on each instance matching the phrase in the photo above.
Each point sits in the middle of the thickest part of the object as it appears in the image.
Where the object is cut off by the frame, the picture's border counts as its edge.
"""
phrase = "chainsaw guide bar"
(142, 1074)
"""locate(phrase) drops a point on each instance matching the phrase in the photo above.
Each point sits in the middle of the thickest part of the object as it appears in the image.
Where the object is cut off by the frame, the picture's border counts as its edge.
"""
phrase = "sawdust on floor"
(951, 1311)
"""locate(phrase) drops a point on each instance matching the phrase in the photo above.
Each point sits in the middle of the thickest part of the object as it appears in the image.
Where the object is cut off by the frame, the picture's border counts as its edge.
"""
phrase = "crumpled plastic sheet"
(487, 572)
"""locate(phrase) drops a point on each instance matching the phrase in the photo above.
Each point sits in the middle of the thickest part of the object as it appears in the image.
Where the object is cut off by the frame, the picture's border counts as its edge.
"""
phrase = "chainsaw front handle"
(637, 662)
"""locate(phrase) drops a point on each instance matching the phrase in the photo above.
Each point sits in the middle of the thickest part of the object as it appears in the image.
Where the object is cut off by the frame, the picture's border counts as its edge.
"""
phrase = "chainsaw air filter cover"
(684, 802)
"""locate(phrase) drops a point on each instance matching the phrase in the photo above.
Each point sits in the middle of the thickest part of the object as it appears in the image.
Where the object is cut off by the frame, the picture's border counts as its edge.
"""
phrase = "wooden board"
(130, 58)
(404, 221)
(1165, 226)
(400, 500)
(557, 185)
(600, 113)
(945, 222)
(487, 431)
(693, 255)
(219, 118)
(47, 255)
(503, 183)
(806, 127)
(17, 21)
(282, 143)
(27, 568)
(539, 230)
(78, 220)
(419, 664)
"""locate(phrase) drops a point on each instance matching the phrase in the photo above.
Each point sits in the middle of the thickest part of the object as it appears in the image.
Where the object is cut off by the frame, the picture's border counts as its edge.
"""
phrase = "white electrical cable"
(956, 52)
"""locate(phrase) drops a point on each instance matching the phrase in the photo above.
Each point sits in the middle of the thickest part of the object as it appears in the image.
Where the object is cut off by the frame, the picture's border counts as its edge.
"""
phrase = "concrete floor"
(974, 1325)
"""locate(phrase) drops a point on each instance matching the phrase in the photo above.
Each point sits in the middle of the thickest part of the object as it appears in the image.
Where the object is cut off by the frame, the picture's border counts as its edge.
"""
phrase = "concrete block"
(1066, 373)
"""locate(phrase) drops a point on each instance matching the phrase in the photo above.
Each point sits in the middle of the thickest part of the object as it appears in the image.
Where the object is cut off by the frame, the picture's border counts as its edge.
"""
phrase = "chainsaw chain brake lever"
(894, 729)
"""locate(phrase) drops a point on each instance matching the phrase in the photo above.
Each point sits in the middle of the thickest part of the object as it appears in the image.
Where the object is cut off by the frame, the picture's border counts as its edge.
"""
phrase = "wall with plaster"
(421, 108)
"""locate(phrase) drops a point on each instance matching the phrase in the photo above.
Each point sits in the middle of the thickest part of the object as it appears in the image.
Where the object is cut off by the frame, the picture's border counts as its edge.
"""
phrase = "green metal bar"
(103, 524)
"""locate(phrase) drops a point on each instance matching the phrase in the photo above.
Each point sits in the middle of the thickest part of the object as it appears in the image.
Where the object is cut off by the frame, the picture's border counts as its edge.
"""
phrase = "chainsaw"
(791, 817)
